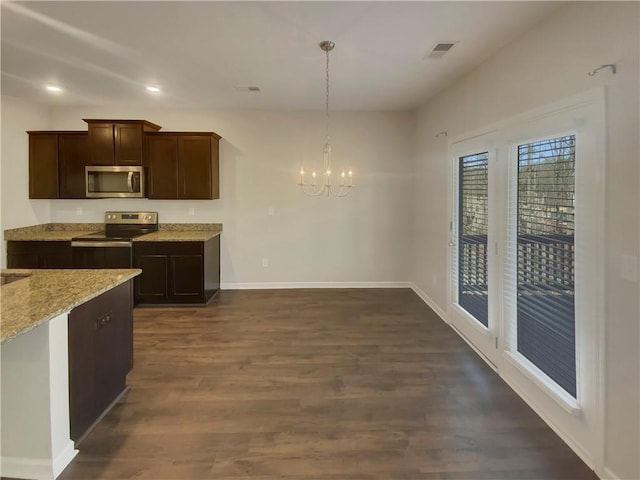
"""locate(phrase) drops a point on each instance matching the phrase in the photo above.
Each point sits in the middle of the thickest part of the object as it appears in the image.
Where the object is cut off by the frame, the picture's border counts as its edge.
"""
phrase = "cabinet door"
(194, 167)
(23, 254)
(108, 379)
(44, 254)
(152, 284)
(187, 279)
(23, 260)
(100, 355)
(128, 144)
(162, 162)
(101, 144)
(43, 166)
(82, 408)
(55, 254)
(73, 154)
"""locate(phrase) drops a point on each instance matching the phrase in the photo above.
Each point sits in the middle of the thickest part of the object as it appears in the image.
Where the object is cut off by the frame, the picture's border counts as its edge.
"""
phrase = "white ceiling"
(199, 52)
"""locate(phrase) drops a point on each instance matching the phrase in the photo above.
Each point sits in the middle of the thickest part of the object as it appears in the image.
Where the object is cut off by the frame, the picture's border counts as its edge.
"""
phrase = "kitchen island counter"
(44, 294)
(67, 347)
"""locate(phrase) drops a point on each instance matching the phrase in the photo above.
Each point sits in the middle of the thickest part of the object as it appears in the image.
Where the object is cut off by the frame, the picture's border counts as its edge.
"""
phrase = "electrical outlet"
(79, 211)
(265, 262)
(192, 211)
(271, 211)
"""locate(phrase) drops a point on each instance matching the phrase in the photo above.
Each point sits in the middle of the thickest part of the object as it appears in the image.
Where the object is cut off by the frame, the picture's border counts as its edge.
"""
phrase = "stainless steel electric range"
(112, 247)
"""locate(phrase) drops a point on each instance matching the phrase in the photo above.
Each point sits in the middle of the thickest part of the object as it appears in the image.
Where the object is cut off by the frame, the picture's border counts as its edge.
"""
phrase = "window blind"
(472, 235)
(545, 266)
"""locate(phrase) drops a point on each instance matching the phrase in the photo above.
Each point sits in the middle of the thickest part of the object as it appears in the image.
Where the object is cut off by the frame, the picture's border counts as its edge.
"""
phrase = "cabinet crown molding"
(146, 123)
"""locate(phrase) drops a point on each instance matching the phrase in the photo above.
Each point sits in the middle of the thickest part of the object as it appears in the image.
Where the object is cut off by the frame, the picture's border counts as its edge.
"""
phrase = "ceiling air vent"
(247, 89)
(440, 49)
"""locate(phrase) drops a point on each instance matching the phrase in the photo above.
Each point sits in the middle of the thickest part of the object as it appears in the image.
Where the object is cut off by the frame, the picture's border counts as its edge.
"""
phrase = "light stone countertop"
(167, 232)
(176, 236)
(51, 232)
(45, 294)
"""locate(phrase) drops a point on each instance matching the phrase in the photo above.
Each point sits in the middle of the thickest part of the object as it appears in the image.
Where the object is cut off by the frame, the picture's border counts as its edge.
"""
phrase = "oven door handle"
(130, 181)
(121, 244)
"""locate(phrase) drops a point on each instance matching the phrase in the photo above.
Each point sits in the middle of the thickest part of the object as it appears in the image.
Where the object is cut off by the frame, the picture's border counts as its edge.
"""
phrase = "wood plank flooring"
(315, 385)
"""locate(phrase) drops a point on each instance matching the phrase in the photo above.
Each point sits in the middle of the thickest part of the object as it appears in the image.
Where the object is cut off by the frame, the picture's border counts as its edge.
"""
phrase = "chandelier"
(324, 183)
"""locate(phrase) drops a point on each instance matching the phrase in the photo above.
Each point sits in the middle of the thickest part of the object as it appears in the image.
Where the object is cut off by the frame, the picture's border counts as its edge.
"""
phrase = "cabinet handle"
(103, 321)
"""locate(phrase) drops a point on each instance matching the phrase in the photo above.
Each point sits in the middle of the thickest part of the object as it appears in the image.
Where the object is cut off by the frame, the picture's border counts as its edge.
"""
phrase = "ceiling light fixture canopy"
(53, 88)
(153, 89)
(321, 184)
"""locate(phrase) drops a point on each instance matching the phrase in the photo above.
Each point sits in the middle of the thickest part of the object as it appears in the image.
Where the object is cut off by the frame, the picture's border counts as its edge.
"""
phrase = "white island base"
(35, 403)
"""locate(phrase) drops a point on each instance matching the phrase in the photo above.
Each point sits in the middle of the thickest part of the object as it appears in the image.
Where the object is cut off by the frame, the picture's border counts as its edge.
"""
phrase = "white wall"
(549, 63)
(361, 238)
(365, 237)
(17, 210)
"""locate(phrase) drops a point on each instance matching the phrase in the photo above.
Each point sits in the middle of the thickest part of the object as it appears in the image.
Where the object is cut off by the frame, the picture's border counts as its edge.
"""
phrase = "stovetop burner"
(122, 227)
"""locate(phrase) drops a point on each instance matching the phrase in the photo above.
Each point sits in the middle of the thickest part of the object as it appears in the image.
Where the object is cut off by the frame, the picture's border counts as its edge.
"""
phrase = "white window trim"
(591, 337)
(543, 382)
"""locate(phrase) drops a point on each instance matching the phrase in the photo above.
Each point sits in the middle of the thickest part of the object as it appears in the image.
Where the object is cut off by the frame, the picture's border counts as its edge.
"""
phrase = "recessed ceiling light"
(152, 89)
(53, 88)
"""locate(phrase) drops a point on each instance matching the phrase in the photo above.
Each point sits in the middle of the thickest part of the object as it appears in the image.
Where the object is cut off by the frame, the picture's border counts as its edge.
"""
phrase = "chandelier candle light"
(322, 184)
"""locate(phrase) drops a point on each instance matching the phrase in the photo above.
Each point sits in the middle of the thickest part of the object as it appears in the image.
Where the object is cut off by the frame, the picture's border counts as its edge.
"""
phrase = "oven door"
(101, 254)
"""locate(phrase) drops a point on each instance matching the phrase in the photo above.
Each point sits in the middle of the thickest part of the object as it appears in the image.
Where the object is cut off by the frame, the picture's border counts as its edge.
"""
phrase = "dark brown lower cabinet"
(177, 272)
(100, 355)
(44, 254)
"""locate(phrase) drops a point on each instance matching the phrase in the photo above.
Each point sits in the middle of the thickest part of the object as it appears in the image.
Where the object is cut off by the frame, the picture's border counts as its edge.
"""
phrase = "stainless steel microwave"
(109, 182)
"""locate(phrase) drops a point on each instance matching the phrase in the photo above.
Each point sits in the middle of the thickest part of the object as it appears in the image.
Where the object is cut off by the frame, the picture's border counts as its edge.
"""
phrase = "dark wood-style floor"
(315, 385)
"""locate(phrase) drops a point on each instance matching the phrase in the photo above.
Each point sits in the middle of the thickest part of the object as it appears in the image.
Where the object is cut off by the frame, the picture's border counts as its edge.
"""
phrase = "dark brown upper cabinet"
(73, 156)
(118, 142)
(56, 164)
(43, 165)
(183, 165)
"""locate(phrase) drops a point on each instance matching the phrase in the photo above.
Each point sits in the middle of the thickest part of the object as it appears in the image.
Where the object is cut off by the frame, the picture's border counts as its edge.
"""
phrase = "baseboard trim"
(426, 299)
(37, 468)
(572, 443)
(293, 285)
(64, 459)
(475, 349)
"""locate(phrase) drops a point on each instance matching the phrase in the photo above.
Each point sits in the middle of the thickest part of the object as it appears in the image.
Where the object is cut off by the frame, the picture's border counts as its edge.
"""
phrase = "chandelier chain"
(327, 101)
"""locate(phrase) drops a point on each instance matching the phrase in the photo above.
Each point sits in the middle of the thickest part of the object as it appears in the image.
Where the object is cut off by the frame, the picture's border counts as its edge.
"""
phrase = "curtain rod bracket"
(441, 134)
(608, 65)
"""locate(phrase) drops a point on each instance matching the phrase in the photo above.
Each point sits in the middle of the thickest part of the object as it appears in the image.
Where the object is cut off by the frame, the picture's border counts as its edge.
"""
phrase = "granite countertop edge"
(167, 232)
(31, 323)
(178, 236)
